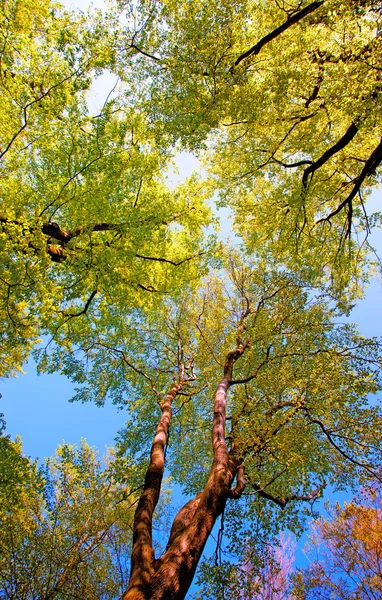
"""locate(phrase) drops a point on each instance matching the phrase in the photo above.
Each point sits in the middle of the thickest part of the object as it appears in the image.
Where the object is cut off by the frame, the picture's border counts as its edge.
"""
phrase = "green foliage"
(19, 481)
(262, 576)
(299, 410)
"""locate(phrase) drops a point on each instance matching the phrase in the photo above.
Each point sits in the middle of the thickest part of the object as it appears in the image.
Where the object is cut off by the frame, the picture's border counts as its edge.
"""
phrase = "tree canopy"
(120, 281)
(286, 99)
(66, 528)
(82, 193)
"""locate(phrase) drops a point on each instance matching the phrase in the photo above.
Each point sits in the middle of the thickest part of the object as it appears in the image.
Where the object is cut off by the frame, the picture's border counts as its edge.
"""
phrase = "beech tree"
(114, 269)
(298, 412)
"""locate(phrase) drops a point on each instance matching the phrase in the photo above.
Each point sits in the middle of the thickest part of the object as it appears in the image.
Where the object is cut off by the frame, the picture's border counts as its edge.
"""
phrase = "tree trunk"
(170, 576)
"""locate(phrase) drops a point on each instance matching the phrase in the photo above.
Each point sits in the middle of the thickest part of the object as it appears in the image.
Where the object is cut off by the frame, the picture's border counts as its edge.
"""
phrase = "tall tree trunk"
(170, 576)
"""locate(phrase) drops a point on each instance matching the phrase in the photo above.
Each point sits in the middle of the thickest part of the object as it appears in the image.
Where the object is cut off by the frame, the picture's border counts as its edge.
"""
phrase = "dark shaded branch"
(150, 288)
(85, 309)
(342, 142)
(295, 18)
(254, 374)
(205, 338)
(35, 101)
(369, 168)
(329, 437)
(272, 158)
(171, 262)
(56, 254)
(313, 96)
(67, 183)
(282, 502)
(300, 163)
(145, 53)
(133, 367)
(138, 192)
(54, 231)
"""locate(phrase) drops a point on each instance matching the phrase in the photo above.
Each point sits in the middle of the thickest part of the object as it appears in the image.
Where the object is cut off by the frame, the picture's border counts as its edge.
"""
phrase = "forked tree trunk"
(170, 576)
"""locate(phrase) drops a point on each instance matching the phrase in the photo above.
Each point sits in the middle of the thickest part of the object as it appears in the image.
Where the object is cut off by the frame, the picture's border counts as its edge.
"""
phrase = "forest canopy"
(118, 279)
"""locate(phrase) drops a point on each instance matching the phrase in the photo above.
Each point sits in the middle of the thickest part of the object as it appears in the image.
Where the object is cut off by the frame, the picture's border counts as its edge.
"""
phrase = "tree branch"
(150, 288)
(171, 262)
(327, 433)
(183, 518)
(237, 491)
(369, 168)
(133, 367)
(282, 502)
(142, 555)
(342, 142)
(145, 53)
(85, 309)
(54, 231)
(295, 18)
(36, 101)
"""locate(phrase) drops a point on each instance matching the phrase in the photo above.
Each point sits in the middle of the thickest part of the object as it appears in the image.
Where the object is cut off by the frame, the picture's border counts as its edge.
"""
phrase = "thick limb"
(142, 555)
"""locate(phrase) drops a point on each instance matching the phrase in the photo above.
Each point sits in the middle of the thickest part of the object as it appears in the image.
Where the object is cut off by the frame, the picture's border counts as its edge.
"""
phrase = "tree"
(347, 552)
(111, 264)
(293, 417)
(273, 582)
(66, 530)
(299, 416)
